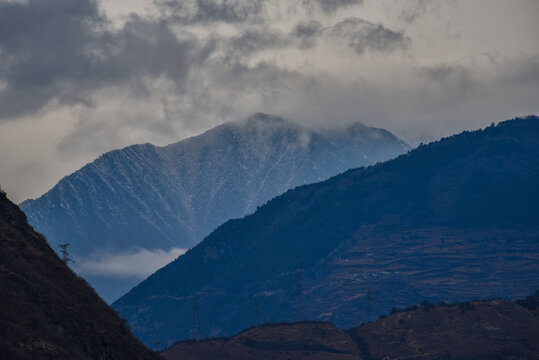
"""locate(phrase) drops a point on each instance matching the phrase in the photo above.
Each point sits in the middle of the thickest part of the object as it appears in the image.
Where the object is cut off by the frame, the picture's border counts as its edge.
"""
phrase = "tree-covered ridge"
(453, 219)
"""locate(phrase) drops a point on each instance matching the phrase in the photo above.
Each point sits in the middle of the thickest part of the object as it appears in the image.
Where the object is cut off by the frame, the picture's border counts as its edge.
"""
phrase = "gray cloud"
(358, 34)
(415, 9)
(362, 35)
(236, 11)
(329, 6)
(144, 47)
(443, 77)
(307, 32)
(266, 77)
(64, 50)
(43, 45)
(206, 11)
(253, 40)
(524, 72)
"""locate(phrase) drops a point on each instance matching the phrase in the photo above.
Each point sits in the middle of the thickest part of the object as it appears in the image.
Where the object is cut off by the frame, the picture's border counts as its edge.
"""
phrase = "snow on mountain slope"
(145, 197)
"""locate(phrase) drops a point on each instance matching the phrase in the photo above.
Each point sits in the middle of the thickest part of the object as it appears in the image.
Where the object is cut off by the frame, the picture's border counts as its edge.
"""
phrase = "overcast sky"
(79, 78)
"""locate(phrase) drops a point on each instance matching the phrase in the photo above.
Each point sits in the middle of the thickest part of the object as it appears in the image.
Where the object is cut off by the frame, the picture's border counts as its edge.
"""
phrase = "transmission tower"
(65, 253)
(196, 332)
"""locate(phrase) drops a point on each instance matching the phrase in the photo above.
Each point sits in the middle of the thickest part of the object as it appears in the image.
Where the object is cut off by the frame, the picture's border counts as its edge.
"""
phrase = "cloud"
(415, 9)
(524, 71)
(329, 6)
(253, 40)
(65, 51)
(240, 11)
(307, 33)
(358, 34)
(43, 45)
(362, 35)
(208, 11)
(453, 80)
(135, 264)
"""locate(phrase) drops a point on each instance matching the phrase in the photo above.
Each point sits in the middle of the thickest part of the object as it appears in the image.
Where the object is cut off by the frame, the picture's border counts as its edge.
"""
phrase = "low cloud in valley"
(137, 264)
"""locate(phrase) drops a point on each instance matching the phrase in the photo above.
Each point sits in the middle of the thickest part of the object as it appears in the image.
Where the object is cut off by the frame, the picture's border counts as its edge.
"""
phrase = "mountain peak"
(152, 197)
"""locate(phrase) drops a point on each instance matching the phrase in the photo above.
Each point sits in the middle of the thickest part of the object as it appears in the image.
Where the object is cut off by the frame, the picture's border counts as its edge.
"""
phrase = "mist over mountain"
(48, 312)
(452, 220)
(143, 204)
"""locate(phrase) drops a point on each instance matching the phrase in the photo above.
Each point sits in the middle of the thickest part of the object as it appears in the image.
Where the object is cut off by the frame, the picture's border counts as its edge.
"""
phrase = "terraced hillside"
(493, 329)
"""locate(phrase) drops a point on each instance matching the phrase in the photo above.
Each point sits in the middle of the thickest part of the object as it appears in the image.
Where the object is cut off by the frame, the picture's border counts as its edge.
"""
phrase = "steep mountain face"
(493, 329)
(48, 312)
(152, 197)
(453, 220)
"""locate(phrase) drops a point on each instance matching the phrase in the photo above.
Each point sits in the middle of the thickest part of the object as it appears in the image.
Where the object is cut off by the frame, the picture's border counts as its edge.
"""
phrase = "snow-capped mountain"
(151, 197)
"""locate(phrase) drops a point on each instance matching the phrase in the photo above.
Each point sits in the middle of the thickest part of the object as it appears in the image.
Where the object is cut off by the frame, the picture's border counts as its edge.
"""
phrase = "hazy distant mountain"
(48, 312)
(456, 219)
(491, 329)
(151, 197)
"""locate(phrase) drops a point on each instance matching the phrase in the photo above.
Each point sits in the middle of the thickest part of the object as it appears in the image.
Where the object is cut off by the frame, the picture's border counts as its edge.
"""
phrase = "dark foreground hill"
(450, 221)
(151, 197)
(48, 312)
(493, 329)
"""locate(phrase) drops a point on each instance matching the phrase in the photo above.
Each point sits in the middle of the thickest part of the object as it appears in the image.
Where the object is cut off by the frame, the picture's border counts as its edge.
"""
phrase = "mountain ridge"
(193, 144)
(150, 197)
(451, 220)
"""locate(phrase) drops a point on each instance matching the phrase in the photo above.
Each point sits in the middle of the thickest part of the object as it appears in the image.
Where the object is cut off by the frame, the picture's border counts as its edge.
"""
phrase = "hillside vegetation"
(450, 221)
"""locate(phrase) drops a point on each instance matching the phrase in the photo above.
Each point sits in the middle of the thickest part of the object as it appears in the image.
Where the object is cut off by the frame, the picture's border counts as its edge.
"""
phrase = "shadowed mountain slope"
(302, 340)
(48, 312)
(452, 220)
(492, 329)
(151, 197)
